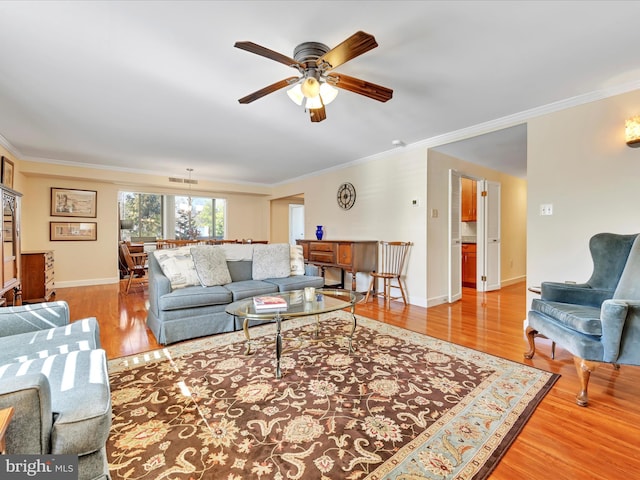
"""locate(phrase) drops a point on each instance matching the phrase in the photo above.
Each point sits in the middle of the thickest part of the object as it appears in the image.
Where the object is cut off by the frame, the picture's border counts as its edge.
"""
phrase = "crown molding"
(524, 116)
(10, 148)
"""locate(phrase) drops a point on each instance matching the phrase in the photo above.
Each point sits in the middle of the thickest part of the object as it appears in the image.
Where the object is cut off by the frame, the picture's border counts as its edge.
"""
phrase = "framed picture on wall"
(65, 231)
(6, 176)
(69, 202)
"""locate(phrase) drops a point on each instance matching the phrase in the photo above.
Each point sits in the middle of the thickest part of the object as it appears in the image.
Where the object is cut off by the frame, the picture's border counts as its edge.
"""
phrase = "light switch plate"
(546, 209)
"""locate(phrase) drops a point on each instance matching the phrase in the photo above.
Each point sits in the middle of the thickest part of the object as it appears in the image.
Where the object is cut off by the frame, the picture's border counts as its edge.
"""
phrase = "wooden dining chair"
(390, 268)
(136, 264)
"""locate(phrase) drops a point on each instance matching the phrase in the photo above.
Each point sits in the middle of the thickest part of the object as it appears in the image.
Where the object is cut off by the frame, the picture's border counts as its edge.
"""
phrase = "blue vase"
(319, 232)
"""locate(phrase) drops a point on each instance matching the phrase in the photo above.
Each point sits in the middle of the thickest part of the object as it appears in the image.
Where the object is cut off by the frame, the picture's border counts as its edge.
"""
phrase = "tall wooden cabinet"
(38, 281)
(10, 288)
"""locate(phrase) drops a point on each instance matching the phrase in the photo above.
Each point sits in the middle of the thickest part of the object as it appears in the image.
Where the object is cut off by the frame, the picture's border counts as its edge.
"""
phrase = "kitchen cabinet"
(469, 259)
(468, 212)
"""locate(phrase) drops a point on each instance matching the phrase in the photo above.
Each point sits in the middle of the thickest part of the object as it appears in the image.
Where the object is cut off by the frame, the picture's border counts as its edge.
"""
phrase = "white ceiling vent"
(183, 180)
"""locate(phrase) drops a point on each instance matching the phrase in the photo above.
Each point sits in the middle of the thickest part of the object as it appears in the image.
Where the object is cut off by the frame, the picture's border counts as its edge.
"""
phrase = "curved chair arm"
(577, 294)
(31, 318)
(621, 331)
(30, 429)
(159, 284)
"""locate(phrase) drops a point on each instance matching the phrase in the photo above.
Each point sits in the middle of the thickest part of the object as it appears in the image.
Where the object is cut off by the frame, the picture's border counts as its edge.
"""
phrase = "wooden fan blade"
(267, 90)
(265, 52)
(317, 114)
(355, 45)
(355, 85)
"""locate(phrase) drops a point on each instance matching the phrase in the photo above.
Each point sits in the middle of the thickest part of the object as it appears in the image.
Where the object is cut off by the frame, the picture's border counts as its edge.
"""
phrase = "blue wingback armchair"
(597, 321)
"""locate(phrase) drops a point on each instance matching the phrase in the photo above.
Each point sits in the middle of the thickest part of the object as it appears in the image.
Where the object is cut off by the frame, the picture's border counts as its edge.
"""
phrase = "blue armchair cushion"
(581, 318)
(30, 318)
(79, 335)
(581, 294)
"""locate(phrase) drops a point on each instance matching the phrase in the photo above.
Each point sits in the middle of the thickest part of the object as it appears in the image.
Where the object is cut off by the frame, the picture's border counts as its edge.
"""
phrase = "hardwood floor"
(562, 440)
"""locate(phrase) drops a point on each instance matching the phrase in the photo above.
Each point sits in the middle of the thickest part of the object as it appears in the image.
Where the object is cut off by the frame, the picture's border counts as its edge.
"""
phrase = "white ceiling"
(153, 86)
(504, 150)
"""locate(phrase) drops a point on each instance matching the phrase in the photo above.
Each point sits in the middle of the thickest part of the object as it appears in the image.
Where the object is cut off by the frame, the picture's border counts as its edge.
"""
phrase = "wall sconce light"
(632, 132)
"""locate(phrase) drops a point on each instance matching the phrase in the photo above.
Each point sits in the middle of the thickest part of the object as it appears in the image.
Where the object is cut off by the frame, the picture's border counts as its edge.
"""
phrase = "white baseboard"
(514, 280)
(432, 302)
(88, 282)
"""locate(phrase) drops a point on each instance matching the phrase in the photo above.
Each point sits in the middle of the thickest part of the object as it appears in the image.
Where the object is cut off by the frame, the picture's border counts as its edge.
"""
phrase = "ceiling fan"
(315, 63)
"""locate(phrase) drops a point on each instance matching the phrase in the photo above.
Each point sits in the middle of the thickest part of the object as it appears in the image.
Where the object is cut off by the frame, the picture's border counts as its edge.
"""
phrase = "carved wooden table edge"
(6, 414)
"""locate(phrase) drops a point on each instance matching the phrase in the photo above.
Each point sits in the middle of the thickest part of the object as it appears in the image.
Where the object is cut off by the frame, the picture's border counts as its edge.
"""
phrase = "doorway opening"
(474, 234)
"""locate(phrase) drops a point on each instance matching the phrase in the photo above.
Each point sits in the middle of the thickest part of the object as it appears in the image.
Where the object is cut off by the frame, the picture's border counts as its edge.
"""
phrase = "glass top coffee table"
(324, 301)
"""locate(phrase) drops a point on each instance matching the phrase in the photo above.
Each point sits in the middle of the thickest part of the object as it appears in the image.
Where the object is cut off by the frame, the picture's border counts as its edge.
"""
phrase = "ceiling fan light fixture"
(310, 87)
(313, 103)
(295, 94)
(328, 93)
(315, 63)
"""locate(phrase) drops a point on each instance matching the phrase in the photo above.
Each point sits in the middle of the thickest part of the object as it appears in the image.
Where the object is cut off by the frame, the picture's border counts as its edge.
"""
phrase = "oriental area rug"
(402, 406)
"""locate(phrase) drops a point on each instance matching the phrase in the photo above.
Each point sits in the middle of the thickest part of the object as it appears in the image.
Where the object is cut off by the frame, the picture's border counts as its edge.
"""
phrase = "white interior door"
(296, 223)
(489, 242)
(455, 237)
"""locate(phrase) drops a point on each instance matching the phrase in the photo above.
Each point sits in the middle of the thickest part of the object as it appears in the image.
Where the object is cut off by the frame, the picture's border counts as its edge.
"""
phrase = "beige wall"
(88, 263)
(280, 217)
(513, 247)
(579, 162)
(385, 187)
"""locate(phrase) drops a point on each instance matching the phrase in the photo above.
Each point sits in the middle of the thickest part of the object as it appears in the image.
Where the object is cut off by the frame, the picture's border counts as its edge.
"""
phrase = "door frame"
(482, 239)
(293, 207)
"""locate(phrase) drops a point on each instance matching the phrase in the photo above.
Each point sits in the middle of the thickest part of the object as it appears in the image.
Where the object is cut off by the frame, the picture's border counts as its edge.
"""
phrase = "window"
(199, 217)
(171, 216)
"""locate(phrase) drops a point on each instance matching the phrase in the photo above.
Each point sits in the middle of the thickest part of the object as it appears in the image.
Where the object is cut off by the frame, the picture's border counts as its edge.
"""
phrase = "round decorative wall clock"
(346, 196)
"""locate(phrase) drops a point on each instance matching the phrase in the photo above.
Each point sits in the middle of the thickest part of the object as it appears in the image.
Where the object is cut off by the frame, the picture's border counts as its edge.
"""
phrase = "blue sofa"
(54, 374)
(194, 310)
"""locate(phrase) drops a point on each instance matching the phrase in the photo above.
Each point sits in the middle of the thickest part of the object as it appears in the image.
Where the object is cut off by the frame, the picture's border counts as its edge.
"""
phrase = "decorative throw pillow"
(211, 265)
(297, 260)
(177, 265)
(271, 260)
(236, 252)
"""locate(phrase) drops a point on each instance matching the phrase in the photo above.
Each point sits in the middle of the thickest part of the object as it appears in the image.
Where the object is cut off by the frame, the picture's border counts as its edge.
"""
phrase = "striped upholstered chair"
(54, 375)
